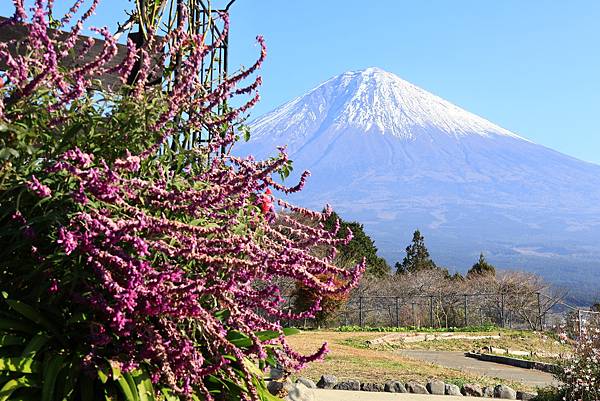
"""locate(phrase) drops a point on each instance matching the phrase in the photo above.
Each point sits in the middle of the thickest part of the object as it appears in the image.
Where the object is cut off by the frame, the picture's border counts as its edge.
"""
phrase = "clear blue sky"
(532, 67)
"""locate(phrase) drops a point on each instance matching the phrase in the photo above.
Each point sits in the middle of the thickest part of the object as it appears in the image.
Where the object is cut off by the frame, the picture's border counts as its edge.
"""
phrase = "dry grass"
(351, 359)
(509, 339)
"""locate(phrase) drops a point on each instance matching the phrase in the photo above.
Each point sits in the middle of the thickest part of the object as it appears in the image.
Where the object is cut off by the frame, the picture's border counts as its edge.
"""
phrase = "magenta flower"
(67, 240)
(169, 266)
(38, 188)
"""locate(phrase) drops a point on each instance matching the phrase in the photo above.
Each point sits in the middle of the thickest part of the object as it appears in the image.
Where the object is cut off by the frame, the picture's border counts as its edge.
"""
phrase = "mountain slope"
(396, 158)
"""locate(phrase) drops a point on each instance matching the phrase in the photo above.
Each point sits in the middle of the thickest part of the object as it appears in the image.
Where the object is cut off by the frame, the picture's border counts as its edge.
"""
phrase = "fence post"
(431, 311)
(539, 311)
(360, 311)
(502, 311)
(397, 313)
(414, 315)
(466, 311)
(580, 318)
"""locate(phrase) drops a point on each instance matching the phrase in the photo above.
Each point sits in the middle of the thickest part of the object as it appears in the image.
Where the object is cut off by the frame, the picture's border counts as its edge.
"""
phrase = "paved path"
(340, 395)
(457, 360)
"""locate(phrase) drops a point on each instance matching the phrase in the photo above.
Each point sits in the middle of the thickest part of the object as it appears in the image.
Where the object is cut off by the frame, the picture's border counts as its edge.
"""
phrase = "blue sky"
(532, 67)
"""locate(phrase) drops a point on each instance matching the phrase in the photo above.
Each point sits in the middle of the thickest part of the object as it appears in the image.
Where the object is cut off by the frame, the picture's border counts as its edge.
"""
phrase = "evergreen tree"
(417, 256)
(360, 246)
(481, 268)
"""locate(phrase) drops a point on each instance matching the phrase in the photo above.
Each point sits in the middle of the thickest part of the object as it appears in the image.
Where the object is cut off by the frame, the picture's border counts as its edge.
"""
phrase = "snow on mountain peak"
(373, 101)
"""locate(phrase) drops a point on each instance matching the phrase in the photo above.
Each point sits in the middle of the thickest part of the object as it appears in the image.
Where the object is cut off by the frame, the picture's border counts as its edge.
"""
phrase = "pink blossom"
(38, 188)
(67, 240)
(159, 251)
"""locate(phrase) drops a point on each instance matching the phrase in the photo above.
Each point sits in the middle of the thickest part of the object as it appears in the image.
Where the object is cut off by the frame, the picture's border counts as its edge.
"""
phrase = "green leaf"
(239, 339)
(50, 375)
(15, 384)
(36, 343)
(132, 385)
(267, 335)
(223, 315)
(6, 340)
(31, 314)
(87, 388)
(271, 360)
(7, 153)
(126, 390)
(252, 368)
(19, 364)
(166, 392)
(14, 325)
(102, 376)
(77, 318)
(74, 129)
(143, 385)
(115, 369)
(265, 395)
(290, 331)
(262, 391)
(68, 378)
(128, 387)
(245, 131)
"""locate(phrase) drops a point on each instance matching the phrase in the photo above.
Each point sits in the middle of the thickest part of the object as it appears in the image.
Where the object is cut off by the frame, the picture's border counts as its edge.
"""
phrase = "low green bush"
(409, 329)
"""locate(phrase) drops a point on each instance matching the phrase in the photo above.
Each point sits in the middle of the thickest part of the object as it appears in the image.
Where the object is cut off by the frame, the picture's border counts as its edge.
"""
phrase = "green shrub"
(470, 329)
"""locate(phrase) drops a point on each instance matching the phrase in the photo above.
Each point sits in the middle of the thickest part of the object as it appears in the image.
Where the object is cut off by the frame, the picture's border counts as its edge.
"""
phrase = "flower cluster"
(171, 266)
(40, 66)
(580, 377)
(167, 251)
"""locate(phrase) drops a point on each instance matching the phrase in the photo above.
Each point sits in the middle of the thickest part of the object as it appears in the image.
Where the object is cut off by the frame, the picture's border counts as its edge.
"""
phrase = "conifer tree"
(360, 246)
(481, 268)
(417, 256)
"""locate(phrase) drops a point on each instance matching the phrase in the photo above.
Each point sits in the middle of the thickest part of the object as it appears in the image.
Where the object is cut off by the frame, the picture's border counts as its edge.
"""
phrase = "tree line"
(417, 255)
(492, 296)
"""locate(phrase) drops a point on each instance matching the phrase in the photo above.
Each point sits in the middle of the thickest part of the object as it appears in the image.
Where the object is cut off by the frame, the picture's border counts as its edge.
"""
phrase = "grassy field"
(351, 357)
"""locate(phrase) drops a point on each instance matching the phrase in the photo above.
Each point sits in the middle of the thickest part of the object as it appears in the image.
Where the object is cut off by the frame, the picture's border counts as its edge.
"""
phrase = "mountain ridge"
(395, 157)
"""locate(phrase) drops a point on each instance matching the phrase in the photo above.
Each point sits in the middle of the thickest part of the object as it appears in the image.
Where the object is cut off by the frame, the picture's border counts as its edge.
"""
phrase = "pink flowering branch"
(162, 254)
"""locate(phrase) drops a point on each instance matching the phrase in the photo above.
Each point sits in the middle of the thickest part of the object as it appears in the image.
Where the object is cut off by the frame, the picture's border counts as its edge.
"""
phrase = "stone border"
(432, 387)
(517, 362)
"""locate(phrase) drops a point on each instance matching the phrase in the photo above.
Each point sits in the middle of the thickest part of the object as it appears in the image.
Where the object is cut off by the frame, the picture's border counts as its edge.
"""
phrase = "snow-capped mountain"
(374, 101)
(396, 157)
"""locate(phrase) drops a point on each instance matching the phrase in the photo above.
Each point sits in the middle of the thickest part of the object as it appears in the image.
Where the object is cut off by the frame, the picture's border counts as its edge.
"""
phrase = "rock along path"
(340, 395)
(457, 360)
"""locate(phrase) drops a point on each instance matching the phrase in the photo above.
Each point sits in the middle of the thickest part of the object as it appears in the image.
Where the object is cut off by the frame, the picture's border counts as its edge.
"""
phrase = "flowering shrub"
(580, 377)
(130, 268)
(306, 296)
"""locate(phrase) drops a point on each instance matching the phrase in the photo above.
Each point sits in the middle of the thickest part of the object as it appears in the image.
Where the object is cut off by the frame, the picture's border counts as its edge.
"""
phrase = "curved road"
(457, 360)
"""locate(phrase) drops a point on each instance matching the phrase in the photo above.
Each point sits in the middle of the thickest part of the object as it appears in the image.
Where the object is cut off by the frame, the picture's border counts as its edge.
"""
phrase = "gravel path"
(457, 360)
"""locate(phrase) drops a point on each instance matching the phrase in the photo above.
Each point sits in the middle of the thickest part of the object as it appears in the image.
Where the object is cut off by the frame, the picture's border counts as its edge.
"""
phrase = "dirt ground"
(351, 358)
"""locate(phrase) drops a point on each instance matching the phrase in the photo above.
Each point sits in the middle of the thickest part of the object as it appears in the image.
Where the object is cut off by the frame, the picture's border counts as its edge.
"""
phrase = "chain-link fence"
(442, 311)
